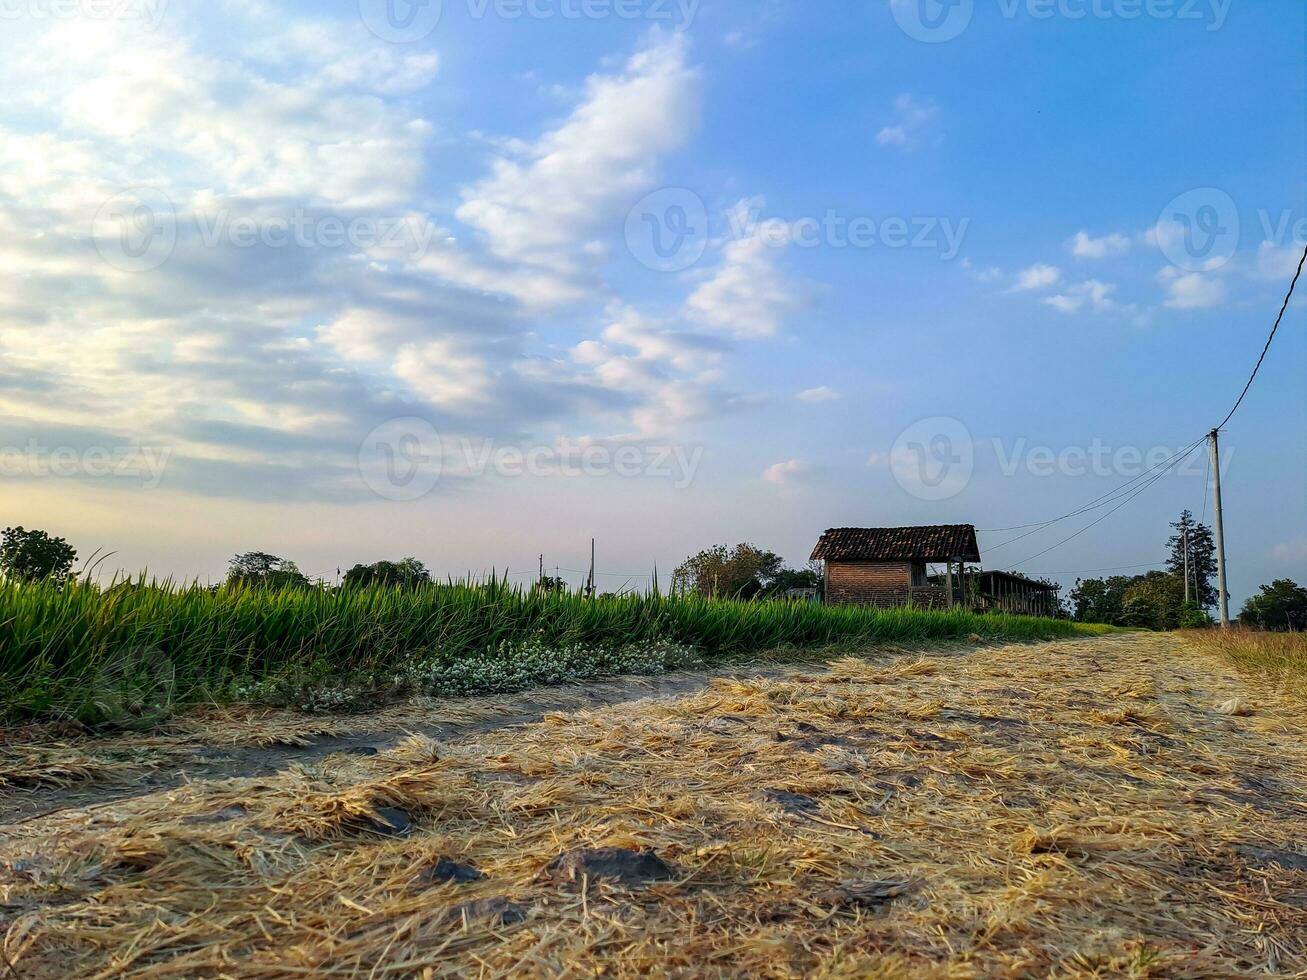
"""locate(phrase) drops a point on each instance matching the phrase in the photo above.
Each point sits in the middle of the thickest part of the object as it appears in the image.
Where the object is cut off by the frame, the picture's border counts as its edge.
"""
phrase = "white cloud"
(1278, 262)
(1191, 290)
(783, 473)
(748, 296)
(671, 376)
(912, 120)
(1091, 294)
(1293, 550)
(1038, 276)
(1083, 246)
(824, 393)
(988, 274)
(546, 206)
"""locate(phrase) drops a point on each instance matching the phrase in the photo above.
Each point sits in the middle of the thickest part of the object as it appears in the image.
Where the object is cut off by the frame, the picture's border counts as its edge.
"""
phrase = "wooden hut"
(886, 566)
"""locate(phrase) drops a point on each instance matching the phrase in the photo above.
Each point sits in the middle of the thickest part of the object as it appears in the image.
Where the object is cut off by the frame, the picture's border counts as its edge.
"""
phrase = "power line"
(1097, 502)
(1165, 465)
(1110, 568)
(1127, 500)
(1257, 367)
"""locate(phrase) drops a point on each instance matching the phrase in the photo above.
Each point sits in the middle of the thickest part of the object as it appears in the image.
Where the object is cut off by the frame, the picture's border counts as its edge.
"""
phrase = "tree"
(1099, 600)
(1202, 558)
(793, 578)
(1154, 601)
(32, 556)
(258, 569)
(406, 574)
(1280, 606)
(549, 585)
(741, 572)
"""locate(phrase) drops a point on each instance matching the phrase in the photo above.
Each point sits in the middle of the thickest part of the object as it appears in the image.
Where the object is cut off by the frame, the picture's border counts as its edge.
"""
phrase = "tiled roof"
(939, 543)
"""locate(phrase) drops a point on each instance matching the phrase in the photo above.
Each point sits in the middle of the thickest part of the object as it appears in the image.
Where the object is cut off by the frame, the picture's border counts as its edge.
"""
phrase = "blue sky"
(970, 247)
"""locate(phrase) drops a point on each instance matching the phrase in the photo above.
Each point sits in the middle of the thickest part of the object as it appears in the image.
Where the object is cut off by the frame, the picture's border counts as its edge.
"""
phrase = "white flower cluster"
(512, 666)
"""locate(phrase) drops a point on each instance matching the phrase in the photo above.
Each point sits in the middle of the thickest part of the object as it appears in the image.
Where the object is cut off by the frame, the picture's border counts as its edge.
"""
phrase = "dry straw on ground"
(1075, 809)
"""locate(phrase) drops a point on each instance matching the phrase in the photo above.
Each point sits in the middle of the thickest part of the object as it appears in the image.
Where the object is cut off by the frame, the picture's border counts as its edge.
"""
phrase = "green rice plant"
(84, 651)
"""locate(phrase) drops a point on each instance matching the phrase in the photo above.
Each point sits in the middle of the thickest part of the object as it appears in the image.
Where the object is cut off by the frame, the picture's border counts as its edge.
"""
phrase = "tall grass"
(1280, 656)
(58, 645)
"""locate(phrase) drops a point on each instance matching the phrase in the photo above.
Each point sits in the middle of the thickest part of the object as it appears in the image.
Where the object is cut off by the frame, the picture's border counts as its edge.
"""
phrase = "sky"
(478, 281)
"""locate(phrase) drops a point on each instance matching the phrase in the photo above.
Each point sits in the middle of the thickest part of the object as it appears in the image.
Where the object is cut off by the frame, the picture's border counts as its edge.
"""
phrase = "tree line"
(1154, 600)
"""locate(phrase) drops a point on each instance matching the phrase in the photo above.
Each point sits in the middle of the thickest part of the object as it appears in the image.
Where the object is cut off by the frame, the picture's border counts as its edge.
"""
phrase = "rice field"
(136, 648)
(1076, 808)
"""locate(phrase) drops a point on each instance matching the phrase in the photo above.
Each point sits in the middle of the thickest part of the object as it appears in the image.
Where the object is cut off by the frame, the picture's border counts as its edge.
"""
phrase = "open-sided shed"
(886, 566)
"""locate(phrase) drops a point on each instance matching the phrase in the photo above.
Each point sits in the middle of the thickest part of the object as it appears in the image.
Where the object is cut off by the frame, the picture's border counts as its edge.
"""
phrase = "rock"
(392, 822)
(1262, 857)
(795, 804)
(1236, 707)
(619, 865)
(874, 895)
(498, 909)
(445, 870)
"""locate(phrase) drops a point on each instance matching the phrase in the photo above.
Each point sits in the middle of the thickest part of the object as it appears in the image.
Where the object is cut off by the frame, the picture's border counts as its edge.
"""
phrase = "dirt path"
(241, 743)
(1080, 808)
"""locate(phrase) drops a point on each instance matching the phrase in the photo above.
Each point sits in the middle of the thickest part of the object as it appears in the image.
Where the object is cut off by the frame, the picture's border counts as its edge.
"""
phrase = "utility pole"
(1223, 596)
(542, 568)
(1184, 543)
(590, 582)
